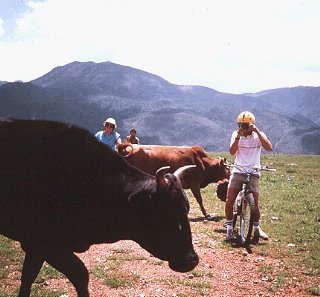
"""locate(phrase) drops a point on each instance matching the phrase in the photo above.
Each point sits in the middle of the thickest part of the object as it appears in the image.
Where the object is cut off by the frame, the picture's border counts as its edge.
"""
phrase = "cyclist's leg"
(256, 211)
(234, 187)
(256, 217)
(254, 186)
(231, 197)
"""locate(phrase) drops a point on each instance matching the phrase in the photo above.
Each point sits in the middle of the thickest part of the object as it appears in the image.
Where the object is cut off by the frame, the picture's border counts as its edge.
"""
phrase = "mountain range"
(86, 93)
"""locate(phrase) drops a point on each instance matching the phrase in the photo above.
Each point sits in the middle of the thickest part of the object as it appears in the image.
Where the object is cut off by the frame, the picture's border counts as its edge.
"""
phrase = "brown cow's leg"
(196, 192)
(72, 267)
(32, 264)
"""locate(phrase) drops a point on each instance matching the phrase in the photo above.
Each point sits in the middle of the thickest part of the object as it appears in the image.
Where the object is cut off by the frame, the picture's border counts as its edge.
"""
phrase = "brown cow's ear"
(223, 161)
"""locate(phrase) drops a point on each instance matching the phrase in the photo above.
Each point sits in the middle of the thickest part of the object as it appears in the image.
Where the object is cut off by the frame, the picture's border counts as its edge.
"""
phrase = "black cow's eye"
(180, 226)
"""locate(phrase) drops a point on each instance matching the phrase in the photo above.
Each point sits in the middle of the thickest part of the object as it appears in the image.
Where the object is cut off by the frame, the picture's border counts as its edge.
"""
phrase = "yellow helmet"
(246, 117)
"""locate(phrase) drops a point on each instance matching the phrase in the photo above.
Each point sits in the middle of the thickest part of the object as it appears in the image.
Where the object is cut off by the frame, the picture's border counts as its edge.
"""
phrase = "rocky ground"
(221, 272)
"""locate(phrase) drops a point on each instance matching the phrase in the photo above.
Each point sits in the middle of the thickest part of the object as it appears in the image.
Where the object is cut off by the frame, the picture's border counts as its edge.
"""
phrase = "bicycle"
(244, 205)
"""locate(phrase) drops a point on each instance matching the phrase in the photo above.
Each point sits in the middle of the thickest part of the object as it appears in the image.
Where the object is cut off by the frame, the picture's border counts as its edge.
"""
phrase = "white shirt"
(248, 153)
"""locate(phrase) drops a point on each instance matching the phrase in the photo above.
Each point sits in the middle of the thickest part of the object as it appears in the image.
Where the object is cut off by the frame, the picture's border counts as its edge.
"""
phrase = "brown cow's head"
(222, 184)
(221, 190)
(215, 170)
(125, 149)
(225, 168)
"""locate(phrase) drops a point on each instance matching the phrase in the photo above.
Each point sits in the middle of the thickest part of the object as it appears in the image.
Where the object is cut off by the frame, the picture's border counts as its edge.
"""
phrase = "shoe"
(229, 236)
(263, 235)
(256, 235)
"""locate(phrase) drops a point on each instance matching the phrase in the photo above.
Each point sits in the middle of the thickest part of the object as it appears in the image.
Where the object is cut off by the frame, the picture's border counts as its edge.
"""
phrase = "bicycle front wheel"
(246, 219)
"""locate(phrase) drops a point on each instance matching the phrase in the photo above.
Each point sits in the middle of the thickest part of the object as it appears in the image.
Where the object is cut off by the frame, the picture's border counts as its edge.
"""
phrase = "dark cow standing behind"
(62, 191)
(208, 170)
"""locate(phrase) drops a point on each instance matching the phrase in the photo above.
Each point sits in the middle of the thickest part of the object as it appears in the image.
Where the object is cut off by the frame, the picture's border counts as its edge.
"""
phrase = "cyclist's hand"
(240, 132)
(253, 127)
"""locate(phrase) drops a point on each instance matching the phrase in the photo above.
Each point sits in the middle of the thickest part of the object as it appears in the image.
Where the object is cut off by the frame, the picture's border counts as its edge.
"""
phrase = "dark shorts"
(237, 179)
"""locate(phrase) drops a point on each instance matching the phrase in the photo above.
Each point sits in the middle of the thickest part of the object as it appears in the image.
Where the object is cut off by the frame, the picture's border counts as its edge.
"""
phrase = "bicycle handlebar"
(268, 169)
(255, 169)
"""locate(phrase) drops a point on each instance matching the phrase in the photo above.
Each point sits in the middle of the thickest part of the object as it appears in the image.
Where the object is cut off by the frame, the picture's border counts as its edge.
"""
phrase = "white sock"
(255, 226)
(229, 225)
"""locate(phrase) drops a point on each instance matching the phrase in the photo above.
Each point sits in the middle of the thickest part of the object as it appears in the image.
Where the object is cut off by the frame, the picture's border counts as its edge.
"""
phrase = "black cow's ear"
(163, 182)
(139, 197)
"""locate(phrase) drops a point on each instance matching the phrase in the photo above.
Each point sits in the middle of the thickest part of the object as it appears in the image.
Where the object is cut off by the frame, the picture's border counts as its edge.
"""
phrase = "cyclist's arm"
(264, 140)
(234, 142)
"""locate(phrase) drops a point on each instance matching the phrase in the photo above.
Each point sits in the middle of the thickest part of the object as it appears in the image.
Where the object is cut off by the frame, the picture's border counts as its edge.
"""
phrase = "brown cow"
(150, 158)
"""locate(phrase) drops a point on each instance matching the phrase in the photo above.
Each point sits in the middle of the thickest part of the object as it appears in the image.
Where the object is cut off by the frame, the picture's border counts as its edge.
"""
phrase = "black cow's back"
(54, 180)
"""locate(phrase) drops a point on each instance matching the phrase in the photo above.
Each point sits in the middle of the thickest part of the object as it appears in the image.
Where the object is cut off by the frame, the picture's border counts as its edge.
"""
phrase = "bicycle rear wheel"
(246, 220)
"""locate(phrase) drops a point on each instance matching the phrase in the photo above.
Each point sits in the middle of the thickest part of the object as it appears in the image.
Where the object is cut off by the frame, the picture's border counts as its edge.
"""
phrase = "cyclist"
(246, 144)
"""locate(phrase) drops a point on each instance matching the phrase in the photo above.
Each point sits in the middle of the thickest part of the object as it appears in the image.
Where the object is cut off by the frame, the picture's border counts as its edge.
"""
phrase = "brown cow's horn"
(180, 172)
(161, 180)
(122, 149)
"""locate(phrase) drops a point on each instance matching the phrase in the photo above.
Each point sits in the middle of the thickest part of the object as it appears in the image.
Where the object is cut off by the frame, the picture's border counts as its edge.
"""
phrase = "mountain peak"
(85, 93)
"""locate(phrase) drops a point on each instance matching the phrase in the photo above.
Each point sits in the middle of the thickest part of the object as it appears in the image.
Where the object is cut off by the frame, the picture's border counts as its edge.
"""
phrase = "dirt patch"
(221, 272)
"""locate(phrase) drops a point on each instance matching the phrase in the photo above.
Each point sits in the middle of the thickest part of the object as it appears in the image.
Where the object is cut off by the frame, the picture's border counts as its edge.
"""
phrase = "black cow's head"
(160, 221)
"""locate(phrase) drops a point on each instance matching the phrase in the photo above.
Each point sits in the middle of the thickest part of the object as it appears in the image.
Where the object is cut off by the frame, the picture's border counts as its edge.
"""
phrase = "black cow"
(62, 191)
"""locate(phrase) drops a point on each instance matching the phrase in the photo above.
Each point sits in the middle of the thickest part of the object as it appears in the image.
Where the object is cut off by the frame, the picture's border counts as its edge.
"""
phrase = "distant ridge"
(85, 93)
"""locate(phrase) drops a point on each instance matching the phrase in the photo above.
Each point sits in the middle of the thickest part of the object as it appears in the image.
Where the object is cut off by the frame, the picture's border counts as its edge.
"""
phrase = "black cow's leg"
(32, 264)
(72, 267)
(197, 194)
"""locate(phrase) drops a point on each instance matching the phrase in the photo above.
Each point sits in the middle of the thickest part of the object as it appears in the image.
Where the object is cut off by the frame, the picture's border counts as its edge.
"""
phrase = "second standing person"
(132, 138)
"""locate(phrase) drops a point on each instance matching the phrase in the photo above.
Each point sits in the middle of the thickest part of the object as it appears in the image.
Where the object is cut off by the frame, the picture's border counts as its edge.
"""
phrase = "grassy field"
(290, 208)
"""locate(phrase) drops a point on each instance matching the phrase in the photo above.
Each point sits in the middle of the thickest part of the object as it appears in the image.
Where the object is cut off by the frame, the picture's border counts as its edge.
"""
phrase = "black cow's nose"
(184, 264)
(194, 260)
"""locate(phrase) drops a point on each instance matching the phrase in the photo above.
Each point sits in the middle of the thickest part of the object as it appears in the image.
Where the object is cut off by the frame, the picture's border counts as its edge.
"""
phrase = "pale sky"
(231, 46)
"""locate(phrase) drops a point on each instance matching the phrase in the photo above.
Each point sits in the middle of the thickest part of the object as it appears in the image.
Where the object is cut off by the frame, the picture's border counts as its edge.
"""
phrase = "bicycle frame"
(244, 205)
